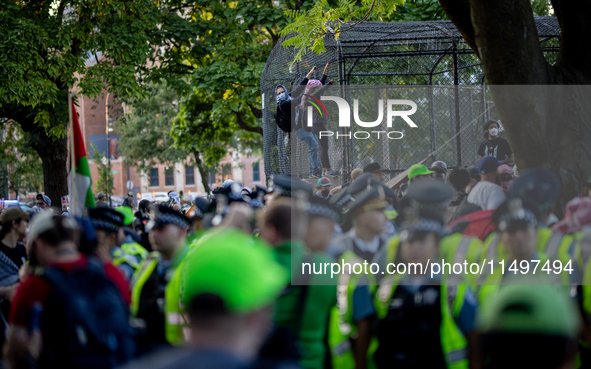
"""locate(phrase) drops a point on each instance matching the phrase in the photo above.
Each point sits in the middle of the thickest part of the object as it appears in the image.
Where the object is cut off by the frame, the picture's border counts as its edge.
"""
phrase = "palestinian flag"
(84, 197)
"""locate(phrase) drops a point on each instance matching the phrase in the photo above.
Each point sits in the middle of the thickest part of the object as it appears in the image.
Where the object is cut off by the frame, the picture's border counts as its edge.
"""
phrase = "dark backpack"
(85, 322)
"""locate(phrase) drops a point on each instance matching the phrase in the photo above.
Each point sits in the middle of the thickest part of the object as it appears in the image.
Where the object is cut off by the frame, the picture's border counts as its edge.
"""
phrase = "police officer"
(369, 221)
(424, 322)
(156, 285)
(108, 224)
(131, 243)
(430, 200)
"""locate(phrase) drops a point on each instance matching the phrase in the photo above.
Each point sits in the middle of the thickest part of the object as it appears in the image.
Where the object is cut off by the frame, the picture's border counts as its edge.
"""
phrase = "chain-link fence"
(378, 60)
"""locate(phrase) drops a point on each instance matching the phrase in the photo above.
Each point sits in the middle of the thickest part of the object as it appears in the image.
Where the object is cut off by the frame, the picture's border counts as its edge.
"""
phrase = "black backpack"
(85, 323)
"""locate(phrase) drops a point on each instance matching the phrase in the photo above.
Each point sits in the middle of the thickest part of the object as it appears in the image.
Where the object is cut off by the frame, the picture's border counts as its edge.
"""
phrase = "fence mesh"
(428, 54)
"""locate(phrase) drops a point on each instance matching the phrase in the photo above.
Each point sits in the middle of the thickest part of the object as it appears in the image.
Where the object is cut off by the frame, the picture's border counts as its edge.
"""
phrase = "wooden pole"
(73, 208)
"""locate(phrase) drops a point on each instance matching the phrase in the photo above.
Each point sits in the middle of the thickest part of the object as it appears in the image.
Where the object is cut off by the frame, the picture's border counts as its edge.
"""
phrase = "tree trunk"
(54, 154)
(202, 171)
(547, 126)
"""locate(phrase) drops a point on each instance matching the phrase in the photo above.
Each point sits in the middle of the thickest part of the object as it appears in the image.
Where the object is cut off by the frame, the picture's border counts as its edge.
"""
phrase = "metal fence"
(455, 99)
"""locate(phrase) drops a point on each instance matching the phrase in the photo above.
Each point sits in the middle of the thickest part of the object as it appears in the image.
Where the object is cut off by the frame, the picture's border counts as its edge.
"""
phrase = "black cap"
(539, 186)
(322, 208)
(372, 168)
(285, 185)
(105, 219)
(515, 213)
(341, 199)
(166, 215)
(372, 198)
(430, 195)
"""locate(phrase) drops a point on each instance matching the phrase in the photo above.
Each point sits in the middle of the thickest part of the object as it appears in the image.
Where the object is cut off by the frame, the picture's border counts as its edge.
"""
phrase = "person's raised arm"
(303, 83)
(324, 75)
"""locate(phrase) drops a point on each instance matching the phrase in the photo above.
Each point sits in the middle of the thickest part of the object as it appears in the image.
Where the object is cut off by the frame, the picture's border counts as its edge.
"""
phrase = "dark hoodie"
(286, 107)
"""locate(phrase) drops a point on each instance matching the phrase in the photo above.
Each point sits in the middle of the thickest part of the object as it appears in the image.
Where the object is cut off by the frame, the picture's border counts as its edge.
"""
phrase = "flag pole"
(73, 208)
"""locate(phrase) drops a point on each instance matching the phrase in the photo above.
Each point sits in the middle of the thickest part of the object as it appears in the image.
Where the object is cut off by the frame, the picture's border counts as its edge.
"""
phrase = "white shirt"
(367, 246)
(487, 195)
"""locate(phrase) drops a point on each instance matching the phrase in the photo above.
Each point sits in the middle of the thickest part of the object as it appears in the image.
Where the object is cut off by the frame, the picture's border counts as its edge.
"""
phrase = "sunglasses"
(40, 203)
(506, 177)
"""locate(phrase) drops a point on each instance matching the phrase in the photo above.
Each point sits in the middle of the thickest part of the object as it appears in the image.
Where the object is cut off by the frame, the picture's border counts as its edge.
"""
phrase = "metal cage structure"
(429, 54)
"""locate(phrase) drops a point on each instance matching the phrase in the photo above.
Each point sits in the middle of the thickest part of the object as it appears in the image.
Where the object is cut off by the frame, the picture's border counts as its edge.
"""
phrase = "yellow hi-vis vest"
(453, 343)
(341, 327)
(174, 320)
(136, 250)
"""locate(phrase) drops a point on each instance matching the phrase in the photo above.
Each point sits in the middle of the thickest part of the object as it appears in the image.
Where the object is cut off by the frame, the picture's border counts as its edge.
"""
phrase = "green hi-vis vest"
(455, 248)
(453, 343)
(341, 326)
(174, 321)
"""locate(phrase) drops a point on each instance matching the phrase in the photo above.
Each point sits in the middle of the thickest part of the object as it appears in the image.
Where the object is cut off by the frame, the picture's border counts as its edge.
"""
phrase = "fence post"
(457, 102)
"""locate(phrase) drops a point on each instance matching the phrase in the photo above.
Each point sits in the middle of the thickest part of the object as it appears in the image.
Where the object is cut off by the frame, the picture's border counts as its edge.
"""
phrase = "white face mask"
(493, 132)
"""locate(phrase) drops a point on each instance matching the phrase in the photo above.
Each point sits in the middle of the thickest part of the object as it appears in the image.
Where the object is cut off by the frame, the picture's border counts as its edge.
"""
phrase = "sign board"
(130, 185)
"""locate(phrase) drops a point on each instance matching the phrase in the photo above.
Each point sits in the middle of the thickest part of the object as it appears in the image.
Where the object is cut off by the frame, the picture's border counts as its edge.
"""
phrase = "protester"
(495, 146)
(527, 326)
(155, 287)
(100, 201)
(440, 169)
(43, 201)
(354, 174)
(13, 255)
(74, 314)
(474, 177)
(418, 172)
(506, 177)
(487, 194)
(458, 206)
(323, 188)
(129, 201)
(376, 170)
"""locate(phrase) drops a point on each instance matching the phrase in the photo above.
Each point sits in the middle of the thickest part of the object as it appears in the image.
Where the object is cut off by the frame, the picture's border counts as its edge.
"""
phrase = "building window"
(189, 175)
(169, 177)
(256, 172)
(211, 176)
(154, 177)
(226, 172)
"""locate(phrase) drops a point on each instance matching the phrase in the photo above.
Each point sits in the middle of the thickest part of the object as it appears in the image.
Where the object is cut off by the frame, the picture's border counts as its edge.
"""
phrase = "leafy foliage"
(144, 131)
(20, 164)
(104, 183)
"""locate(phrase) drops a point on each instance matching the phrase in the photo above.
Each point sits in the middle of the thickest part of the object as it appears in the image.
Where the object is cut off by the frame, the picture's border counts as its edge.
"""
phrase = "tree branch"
(242, 124)
(458, 12)
(508, 42)
(258, 113)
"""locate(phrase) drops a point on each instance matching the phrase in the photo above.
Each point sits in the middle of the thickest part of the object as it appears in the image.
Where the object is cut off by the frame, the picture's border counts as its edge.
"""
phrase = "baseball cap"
(439, 164)
(537, 309)
(43, 197)
(372, 168)
(488, 164)
(418, 170)
(238, 269)
(11, 214)
(99, 195)
(324, 181)
(127, 214)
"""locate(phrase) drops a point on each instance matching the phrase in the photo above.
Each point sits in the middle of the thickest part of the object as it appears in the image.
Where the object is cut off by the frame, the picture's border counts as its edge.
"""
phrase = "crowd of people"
(223, 283)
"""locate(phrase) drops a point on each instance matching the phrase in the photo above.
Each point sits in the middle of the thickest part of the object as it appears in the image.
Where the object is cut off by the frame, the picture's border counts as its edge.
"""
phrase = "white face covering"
(493, 132)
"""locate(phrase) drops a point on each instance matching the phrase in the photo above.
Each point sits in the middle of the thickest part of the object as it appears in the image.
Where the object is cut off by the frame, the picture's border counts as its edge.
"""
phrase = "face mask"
(493, 132)
(282, 96)
(325, 193)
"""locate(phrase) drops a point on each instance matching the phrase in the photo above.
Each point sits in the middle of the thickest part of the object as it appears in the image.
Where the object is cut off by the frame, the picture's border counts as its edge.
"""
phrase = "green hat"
(235, 267)
(418, 170)
(536, 309)
(127, 214)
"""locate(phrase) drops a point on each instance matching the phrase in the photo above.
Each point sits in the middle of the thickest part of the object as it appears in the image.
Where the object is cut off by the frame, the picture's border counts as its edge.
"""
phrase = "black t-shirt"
(499, 148)
(18, 254)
